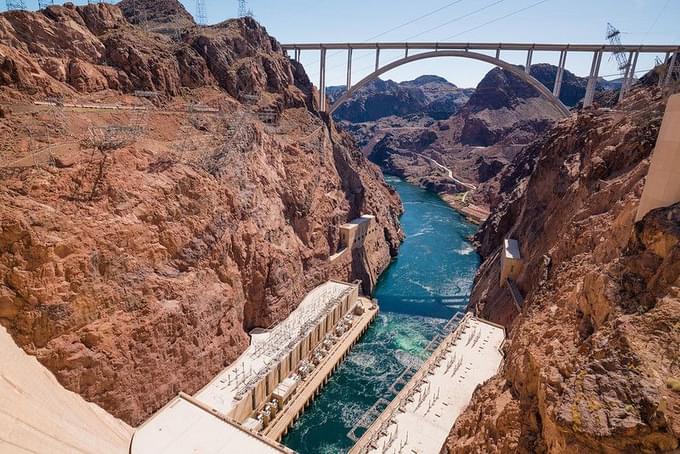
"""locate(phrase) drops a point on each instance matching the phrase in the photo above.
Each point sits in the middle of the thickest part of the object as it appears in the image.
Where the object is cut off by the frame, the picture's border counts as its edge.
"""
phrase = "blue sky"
(573, 21)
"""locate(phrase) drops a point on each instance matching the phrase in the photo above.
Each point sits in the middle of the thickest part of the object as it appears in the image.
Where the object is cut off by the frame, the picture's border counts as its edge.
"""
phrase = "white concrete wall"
(511, 261)
(37, 414)
(662, 187)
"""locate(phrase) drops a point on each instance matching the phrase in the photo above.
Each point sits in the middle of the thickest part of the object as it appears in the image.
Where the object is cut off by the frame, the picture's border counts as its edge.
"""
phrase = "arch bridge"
(479, 51)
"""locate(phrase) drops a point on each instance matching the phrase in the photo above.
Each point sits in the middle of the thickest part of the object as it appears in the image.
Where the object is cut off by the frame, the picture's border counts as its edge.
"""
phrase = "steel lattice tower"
(614, 38)
(242, 8)
(15, 5)
(201, 14)
(45, 3)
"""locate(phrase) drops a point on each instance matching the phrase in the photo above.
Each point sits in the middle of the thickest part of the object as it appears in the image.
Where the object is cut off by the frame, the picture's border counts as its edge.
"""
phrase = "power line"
(409, 22)
(414, 20)
(496, 20)
(663, 8)
(437, 27)
(456, 19)
(473, 28)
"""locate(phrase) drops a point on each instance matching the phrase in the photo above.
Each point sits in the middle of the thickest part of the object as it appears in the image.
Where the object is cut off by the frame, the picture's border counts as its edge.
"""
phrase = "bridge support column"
(322, 81)
(630, 74)
(662, 79)
(406, 51)
(377, 58)
(560, 71)
(592, 79)
(498, 53)
(671, 65)
(527, 68)
(349, 68)
(297, 55)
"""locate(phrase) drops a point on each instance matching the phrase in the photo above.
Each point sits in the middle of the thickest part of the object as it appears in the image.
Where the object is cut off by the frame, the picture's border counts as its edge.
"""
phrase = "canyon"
(171, 192)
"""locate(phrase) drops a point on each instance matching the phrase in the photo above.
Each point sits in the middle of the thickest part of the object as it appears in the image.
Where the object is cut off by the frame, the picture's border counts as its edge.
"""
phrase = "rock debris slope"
(137, 249)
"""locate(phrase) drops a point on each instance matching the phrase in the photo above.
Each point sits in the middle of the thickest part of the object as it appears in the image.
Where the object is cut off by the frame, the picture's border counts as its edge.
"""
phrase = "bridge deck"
(644, 48)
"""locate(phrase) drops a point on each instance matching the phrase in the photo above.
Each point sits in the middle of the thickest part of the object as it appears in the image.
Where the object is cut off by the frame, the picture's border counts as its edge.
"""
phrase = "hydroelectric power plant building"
(248, 406)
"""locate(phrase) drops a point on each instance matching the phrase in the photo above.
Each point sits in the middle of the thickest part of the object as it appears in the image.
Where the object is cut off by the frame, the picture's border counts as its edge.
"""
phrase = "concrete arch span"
(543, 91)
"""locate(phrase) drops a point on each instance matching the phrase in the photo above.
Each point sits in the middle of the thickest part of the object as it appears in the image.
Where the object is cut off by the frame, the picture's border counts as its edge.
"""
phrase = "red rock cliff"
(592, 359)
(137, 250)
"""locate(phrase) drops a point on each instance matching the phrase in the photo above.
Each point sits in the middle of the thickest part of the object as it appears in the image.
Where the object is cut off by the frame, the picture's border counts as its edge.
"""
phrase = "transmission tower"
(45, 3)
(242, 8)
(201, 14)
(13, 5)
(619, 54)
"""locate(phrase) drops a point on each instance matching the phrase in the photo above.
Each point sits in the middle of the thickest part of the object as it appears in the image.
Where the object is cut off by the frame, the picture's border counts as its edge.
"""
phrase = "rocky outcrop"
(65, 50)
(592, 359)
(504, 108)
(430, 95)
(137, 252)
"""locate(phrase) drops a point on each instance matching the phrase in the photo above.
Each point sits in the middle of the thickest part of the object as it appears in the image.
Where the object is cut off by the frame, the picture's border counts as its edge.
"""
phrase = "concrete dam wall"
(37, 414)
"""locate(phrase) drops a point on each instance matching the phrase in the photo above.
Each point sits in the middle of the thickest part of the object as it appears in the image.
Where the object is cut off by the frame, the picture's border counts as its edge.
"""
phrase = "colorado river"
(425, 285)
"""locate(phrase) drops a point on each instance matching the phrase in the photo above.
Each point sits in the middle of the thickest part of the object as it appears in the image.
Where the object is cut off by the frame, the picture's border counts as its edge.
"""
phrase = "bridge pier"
(349, 68)
(629, 75)
(560, 71)
(592, 79)
(322, 81)
(377, 58)
(527, 67)
(671, 65)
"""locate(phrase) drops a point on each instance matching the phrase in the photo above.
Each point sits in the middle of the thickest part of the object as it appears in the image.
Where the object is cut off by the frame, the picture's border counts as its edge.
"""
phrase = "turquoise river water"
(424, 286)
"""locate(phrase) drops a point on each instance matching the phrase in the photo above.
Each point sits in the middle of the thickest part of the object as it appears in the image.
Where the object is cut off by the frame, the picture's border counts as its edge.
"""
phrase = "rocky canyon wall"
(136, 252)
(592, 361)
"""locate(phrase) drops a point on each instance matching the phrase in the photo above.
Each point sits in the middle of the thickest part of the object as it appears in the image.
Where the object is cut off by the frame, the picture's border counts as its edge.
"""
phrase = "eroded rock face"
(430, 95)
(64, 50)
(135, 270)
(593, 356)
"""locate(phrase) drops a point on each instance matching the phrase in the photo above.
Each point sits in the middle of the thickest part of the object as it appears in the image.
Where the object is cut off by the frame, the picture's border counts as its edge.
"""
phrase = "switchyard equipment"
(266, 388)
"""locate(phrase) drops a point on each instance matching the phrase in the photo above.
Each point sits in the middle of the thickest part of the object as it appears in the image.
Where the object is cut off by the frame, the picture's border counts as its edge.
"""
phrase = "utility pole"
(201, 14)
